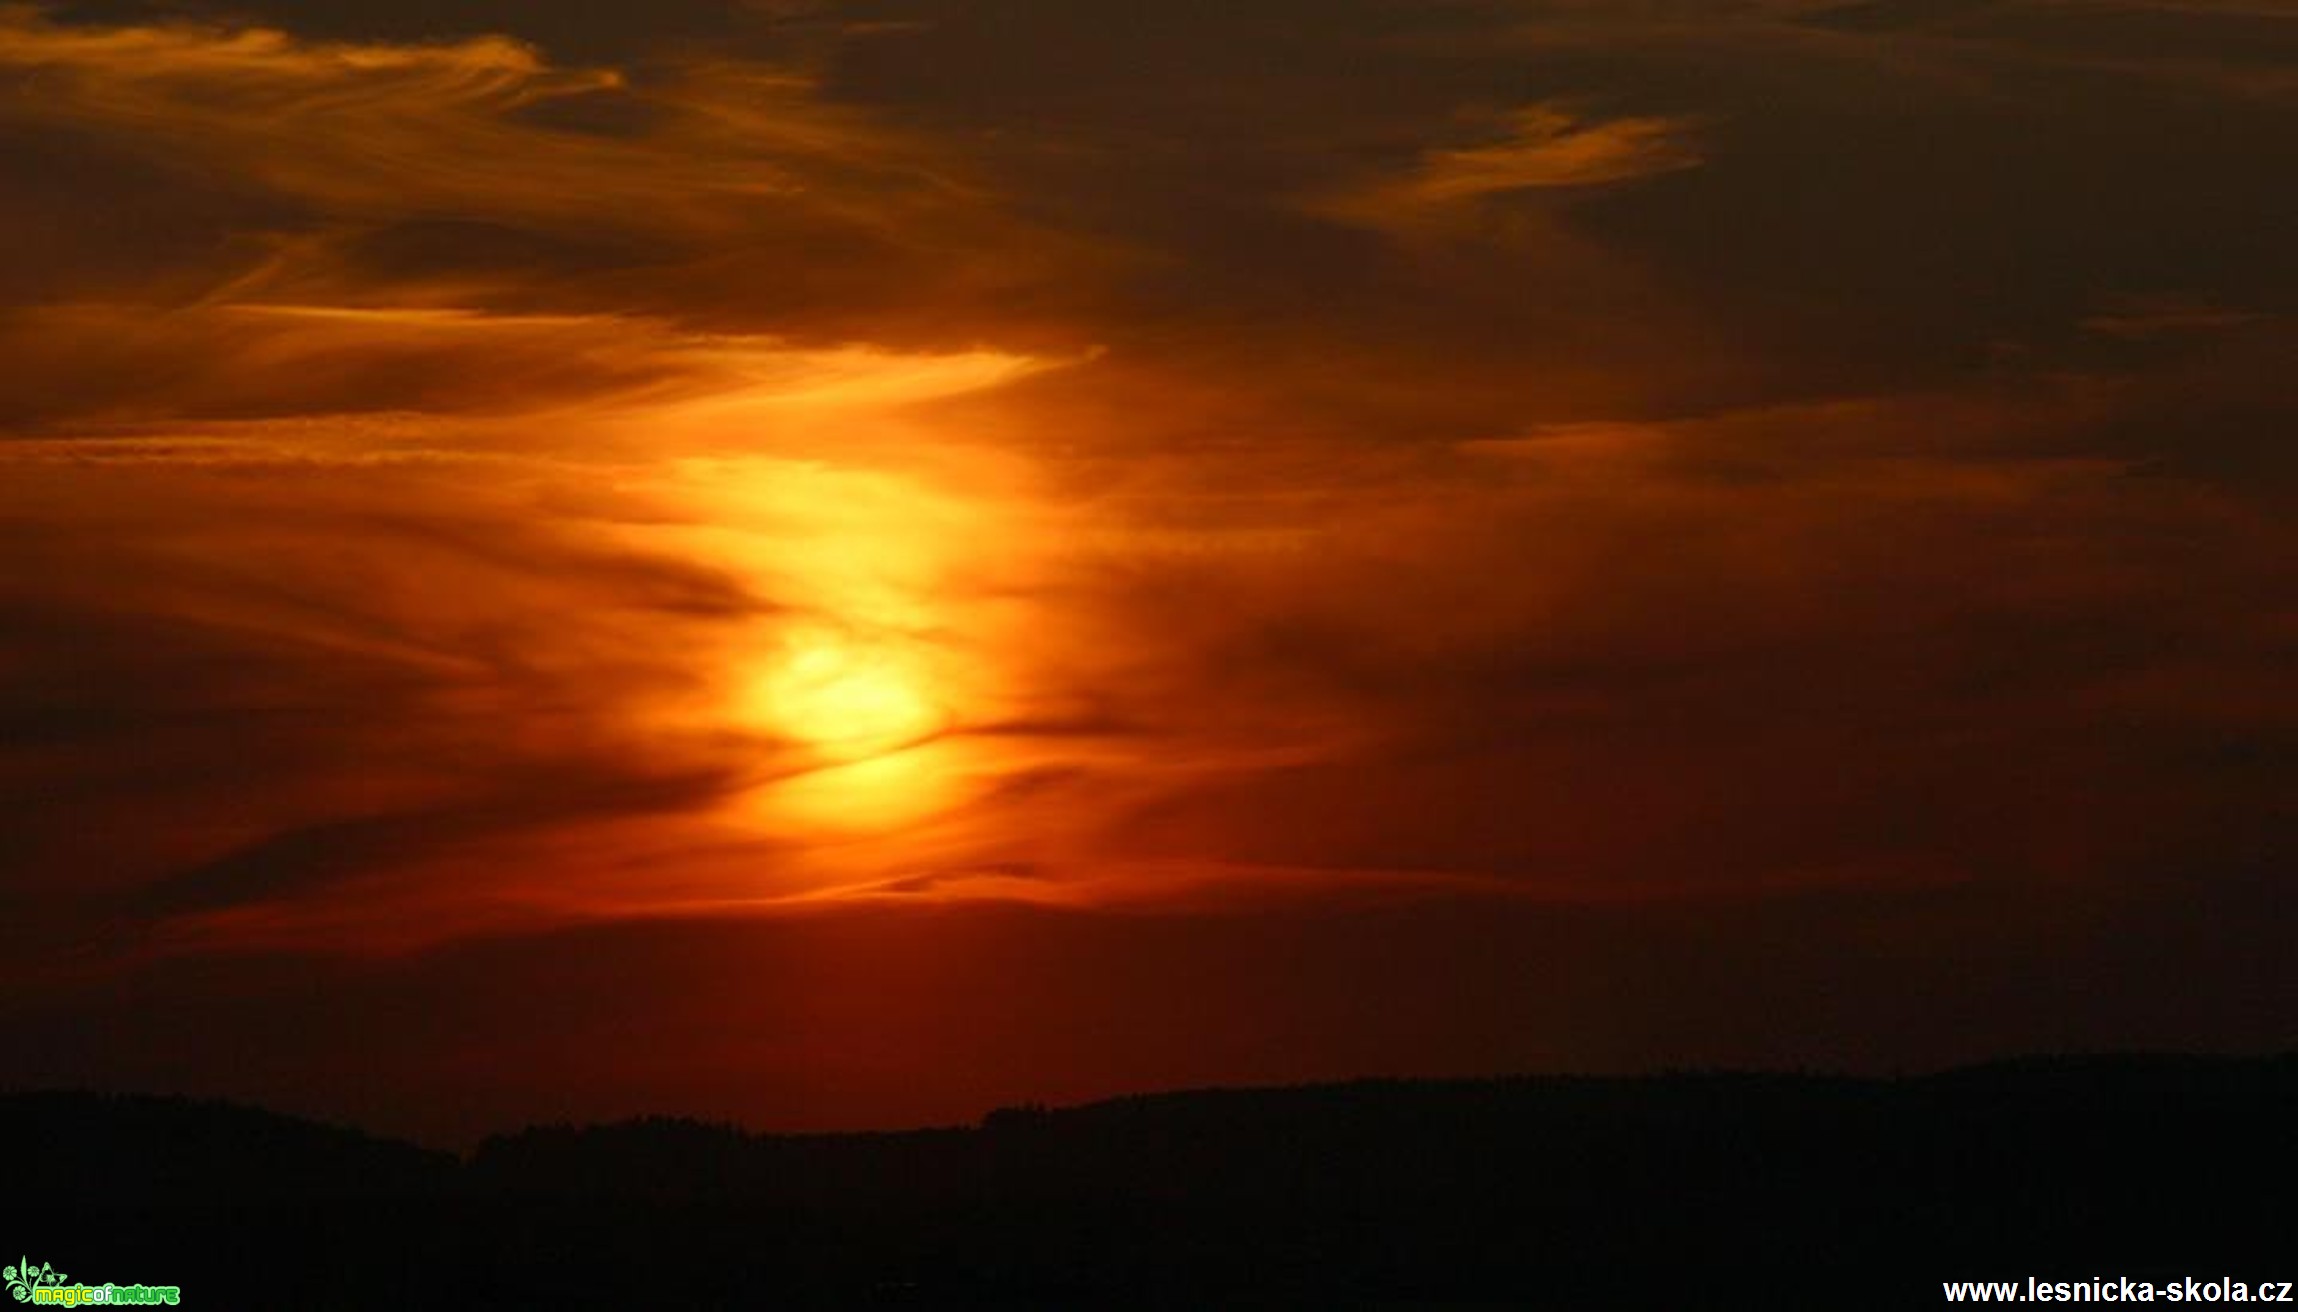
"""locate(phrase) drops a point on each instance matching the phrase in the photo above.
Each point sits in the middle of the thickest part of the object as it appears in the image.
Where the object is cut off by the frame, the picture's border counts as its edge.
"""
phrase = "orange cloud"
(1545, 149)
(465, 127)
(1549, 148)
(477, 175)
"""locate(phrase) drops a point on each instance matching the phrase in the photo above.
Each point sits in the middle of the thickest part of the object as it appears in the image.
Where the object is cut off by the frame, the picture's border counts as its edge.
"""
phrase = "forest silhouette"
(1687, 1190)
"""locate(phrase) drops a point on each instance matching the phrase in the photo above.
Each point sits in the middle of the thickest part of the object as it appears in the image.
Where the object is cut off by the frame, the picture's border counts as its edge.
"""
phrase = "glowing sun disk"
(844, 697)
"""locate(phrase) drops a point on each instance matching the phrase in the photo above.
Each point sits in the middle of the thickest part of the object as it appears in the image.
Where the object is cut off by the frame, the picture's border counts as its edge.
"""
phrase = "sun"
(844, 696)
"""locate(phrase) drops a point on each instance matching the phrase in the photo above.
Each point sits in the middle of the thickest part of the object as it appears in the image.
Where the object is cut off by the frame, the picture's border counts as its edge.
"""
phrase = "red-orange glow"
(1440, 536)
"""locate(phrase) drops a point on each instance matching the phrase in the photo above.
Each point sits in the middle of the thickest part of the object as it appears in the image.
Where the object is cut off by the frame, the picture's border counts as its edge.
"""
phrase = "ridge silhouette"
(1686, 1190)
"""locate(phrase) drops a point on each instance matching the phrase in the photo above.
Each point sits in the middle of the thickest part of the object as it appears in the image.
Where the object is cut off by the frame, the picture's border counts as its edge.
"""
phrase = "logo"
(44, 1285)
(24, 1277)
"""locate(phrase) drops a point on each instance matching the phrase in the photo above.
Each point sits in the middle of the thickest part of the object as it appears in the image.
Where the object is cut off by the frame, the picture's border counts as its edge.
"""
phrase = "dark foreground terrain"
(1689, 1191)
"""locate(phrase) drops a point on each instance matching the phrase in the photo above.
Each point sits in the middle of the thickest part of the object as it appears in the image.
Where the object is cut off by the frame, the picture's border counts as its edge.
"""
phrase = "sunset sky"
(831, 563)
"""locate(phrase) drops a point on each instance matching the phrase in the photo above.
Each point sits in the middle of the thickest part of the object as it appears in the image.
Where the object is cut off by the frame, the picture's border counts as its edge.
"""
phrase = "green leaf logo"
(24, 1277)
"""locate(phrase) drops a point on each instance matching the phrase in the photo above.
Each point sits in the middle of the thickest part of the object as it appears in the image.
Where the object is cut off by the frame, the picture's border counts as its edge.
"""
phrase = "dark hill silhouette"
(1706, 1190)
(94, 1147)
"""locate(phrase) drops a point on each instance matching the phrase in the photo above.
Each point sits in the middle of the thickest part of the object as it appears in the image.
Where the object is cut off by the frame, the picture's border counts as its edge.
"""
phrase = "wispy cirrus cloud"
(478, 174)
(1543, 149)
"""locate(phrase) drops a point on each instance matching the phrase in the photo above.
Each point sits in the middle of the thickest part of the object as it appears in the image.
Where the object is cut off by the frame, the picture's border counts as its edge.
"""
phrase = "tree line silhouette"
(1690, 1190)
